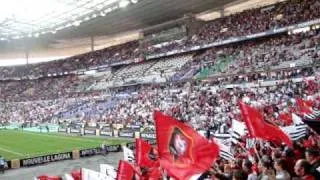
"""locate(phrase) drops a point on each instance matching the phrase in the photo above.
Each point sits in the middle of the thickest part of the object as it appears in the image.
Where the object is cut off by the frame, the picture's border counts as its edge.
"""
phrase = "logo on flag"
(179, 144)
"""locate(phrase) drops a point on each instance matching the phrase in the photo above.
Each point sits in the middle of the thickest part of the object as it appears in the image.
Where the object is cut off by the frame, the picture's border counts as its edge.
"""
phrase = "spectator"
(281, 173)
(266, 170)
(312, 156)
(302, 169)
(240, 175)
(2, 165)
(247, 167)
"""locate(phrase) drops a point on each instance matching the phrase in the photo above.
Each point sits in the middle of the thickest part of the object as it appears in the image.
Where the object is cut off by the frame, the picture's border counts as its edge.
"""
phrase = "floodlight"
(108, 10)
(124, 3)
(94, 15)
(76, 23)
(102, 14)
(100, 6)
(134, 1)
(36, 35)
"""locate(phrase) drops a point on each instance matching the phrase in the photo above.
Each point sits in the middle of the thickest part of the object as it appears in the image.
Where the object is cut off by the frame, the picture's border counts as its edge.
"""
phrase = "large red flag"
(147, 160)
(126, 171)
(259, 128)
(182, 151)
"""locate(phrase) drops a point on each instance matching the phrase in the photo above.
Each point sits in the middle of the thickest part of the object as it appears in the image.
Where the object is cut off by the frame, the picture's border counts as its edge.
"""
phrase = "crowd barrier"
(71, 155)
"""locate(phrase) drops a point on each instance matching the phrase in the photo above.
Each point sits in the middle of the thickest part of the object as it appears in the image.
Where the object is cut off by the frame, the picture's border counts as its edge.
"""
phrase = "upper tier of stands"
(258, 55)
(244, 23)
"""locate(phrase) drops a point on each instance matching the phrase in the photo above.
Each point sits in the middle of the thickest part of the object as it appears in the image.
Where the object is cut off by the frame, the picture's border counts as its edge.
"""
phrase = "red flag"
(182, 151)
(76, 174)
(259, 128)
(126, 171)
(286, 118)
(303, 106)
(147, 160)
(146, 155)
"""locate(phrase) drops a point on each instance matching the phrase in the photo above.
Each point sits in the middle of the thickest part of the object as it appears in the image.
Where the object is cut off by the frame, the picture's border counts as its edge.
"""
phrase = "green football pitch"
(20, 144)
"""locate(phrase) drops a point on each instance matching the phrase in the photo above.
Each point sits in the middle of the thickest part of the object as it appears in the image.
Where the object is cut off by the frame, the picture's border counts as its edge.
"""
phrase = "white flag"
(87, 174)
(108, 170)
(68, 177)
(128, 154)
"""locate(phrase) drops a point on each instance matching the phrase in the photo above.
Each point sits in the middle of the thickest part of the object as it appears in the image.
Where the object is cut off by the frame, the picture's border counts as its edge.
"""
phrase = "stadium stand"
(201, 87)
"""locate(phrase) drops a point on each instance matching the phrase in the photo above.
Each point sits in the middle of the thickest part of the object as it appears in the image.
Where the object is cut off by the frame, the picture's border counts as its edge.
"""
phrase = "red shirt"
(308, 177)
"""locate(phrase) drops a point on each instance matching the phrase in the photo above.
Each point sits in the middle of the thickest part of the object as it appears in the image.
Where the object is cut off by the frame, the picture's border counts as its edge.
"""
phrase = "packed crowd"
(191, 101)
(260, 20)
(271, 162)
(279, 51)
(280, 15)
(256, 20)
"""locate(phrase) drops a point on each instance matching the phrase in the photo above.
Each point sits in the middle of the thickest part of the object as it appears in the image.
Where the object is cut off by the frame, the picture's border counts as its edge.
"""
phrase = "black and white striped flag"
(296, 131)
(312, 116)
(301, 127)
(225, 151)
(238, 130)
(293, 132)
(221, 133)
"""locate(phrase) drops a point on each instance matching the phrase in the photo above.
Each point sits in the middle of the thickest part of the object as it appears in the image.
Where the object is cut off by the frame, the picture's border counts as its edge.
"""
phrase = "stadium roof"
(41, 24)
(31, 18)
(34, 18)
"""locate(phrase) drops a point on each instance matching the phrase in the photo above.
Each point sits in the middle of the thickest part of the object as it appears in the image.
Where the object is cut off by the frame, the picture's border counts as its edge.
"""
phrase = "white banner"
(87, 174)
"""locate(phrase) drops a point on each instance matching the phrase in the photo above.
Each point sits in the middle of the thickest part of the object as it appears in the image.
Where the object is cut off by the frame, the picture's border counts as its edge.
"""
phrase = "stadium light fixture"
(36, 35)
(134, 1)
(124, 3)
(107, 10)
(102, 14)
(94, 15)
(76, 23)
(100, 6)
